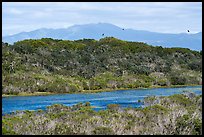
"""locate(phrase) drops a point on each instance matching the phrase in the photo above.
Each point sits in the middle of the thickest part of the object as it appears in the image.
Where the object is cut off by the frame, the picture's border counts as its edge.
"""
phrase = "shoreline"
(91, 91)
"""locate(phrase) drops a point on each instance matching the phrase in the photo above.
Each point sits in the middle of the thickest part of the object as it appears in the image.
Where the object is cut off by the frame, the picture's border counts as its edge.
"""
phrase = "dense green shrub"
(113, 107)
(63, 129)
(102, 131)
(108, 63)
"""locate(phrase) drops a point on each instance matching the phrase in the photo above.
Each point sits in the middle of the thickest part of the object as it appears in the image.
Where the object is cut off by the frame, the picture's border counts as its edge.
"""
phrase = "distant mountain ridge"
(95, 31)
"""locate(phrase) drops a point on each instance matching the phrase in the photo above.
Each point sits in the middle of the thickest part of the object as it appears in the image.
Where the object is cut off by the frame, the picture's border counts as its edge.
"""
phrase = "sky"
(164, 17)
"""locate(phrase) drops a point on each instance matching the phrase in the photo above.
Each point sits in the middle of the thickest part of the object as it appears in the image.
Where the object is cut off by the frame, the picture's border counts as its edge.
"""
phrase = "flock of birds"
(124, 29)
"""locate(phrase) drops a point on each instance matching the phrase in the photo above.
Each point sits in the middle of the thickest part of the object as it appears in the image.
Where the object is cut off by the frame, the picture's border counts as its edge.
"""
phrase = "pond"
(125, 98)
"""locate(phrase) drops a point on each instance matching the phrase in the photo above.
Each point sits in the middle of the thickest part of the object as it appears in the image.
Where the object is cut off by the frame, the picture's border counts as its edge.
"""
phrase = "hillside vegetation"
(63, 66)
(179, 114)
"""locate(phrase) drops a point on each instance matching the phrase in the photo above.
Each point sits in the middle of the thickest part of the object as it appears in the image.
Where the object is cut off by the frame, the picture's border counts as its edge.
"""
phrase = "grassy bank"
(89, 91)
(29, 94)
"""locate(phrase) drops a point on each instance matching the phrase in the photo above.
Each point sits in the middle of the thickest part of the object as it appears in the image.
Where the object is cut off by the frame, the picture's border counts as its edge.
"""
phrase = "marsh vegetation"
(179, 114)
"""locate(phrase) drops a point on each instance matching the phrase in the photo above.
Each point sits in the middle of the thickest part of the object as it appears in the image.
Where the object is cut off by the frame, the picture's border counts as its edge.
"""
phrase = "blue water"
(125, 98)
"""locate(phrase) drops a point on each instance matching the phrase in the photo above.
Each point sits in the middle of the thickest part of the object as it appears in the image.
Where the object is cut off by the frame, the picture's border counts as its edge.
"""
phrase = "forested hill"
(73, 66)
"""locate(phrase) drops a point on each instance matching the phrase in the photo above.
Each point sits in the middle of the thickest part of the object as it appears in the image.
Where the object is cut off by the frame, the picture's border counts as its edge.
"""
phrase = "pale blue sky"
(165, 17)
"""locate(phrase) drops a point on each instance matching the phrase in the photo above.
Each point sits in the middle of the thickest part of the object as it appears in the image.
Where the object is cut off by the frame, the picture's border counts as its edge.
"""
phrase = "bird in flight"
(103, 34)
(123, 29)
(188, 30)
